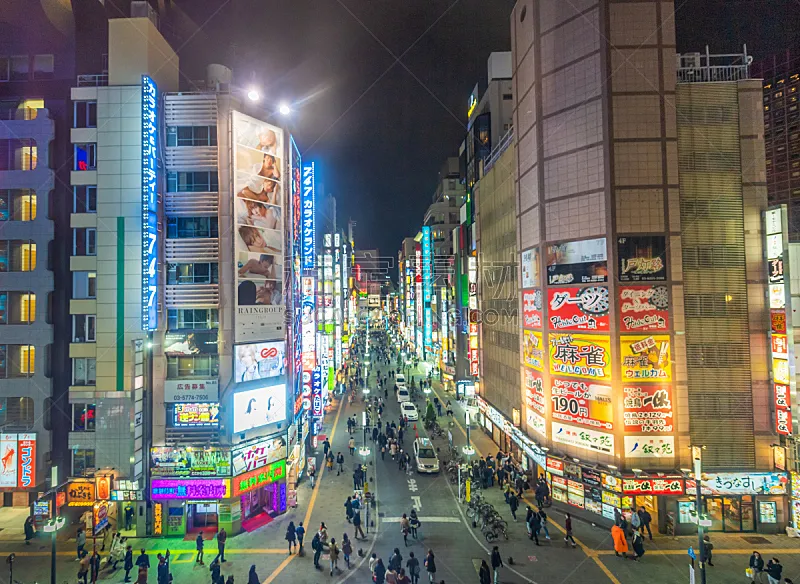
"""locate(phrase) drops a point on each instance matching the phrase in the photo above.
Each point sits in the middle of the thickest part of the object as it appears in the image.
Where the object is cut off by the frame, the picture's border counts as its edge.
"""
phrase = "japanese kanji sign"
(646, 358)
(533, 350)
(578, 309)
(586, 356)
(583, 438)
(582, 403)
(647, 408)
(643, 308)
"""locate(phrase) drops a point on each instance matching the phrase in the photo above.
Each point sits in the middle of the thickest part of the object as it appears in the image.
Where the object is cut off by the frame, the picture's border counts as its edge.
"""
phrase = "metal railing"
(498, 150)
(93, 80)
(708, 68)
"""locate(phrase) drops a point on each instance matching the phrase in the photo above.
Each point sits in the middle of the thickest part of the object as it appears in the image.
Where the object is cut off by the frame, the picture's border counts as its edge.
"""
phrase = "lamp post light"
(52, 526)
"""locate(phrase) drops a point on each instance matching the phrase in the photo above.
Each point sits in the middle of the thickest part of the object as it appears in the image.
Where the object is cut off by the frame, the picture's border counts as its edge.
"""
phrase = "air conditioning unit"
(142, 9)
(691, 60)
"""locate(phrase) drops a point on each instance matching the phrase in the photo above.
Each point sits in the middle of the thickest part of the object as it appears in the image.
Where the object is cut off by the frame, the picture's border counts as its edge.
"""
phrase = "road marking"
(412, 485)
(176, 560)
(416, 502)
(443, 519)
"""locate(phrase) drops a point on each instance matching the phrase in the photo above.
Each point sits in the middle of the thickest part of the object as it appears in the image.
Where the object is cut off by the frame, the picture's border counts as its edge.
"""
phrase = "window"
(507, 96)
(83, 371)
(17, 412)
(17, 361)
(84, 241)
(83, 417)
(192, 136)
(17, 307)
(84, 199)
(20, 68)
(17, 205)
(83, 328)
(84, 114)
(17, 255)
(192, 318)
(43, 67)
(191, 227)
(84, 285)
(193, 274)
(192, 182)
(194, 366)
(4, 68)
(83, 464)
(85, 157)
(21, 109)
(18, 154)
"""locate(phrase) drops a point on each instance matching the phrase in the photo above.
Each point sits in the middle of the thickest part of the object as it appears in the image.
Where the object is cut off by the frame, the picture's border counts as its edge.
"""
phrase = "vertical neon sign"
(149, 204)
(427, 288)
(308, 219)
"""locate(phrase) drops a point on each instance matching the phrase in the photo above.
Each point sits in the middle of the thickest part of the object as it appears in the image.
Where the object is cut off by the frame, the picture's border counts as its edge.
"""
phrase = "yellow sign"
(533, 349)
(468, 491)
(586, 356)
(646, 358)
(473, 103)
(158, 519)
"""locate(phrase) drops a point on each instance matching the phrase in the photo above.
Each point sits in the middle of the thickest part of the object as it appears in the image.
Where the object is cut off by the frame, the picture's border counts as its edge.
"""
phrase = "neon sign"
(308, 219)
(427, 287)
(149, 204)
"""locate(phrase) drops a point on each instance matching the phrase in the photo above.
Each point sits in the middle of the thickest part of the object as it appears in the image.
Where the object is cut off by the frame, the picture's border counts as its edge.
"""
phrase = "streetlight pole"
(697, 460)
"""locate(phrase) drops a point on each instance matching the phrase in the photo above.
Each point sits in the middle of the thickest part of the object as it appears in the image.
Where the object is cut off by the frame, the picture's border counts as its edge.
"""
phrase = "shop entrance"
(202, 516)
(731, 514)
(257, 502)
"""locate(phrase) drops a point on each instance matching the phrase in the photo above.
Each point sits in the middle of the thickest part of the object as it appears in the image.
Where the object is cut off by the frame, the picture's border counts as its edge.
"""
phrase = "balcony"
(192, 204)
(93, 80)
(191, 157)
(183, 251)
(192, 296)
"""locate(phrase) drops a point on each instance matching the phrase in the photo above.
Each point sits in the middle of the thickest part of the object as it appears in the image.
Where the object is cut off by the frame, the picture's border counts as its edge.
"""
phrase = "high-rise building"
(640, 194)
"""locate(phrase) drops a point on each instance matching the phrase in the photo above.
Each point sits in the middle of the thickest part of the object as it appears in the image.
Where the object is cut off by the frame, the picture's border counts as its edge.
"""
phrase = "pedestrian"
(83, 567)
(539, 493)
(534, 525)
(333, 550)
(638, 546)
(216, 576)
(355, 479)
(347, 549)
(128, 564)
(312, 473)
(94, 564)
(636, 522)
(162, 572)
(383, 452)
(513, 504)
(709, 550)
(229, 580)
(357, 524)
(375, 433)
(300, 531)
(351, 444)
(484, 575)
(329, 460)
(340, 462)
(316, 545)
(80, 542)
(326, 445)
(222, 537)
(291, 536)
(373, 560)
(543, 517)
(252, 577)
(129, 513)
(402, 578)
(198, 544)
(430, 565)
(348, 509)
(396, 560)
(405, 528)
(497, 563)
(414, 523)
(756, 566)
(30, 531)
(620, 542)
(379, 572)
(568, 526)
(644, 519)
(412, 565)
(774, 570)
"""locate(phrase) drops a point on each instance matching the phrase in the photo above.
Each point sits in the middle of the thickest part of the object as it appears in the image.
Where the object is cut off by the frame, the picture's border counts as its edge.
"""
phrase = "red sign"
(783, 410)
(555, 466)
(578, 309)
(643, 308)
(780, 346)
(647, 408)
(582, 402)
(559, 482)
(777, 318)
(652, 486)
(26, 476)
(260, 477)
(532, 309)
(534, 390)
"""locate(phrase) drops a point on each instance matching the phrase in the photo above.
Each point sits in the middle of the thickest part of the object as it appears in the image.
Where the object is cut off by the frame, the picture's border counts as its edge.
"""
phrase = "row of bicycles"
(434, 429)
(487, 518)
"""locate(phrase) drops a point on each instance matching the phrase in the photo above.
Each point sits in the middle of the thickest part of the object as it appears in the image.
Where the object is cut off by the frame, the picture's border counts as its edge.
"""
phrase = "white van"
(425, 456)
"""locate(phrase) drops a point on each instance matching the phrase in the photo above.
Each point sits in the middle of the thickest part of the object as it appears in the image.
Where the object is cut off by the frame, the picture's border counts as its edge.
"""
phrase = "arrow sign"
(416, 502)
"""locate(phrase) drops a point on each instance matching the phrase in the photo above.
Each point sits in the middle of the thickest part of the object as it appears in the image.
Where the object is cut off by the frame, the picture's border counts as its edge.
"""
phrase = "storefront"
(510, 438)
(259, 482)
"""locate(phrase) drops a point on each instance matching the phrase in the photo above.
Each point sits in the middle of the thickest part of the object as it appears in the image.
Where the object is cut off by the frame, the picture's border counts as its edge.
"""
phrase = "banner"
(643, 308)
(259, 361)
(649, 446)
(642, 258)
(259, 223)
(585, 356)
(646, 358)
(532, 309)
(191, 391)
(577, 262)
(534, 390)
(189, 462)
(582, 403)
(647, 408)
(257, 454)
(8, 460)
(578, 309)
(584, 438)
(530, 268)
(533, 350)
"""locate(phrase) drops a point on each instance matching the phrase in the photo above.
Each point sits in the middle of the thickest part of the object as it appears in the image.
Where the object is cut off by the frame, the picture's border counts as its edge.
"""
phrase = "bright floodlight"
(284, 109)
(253, 94)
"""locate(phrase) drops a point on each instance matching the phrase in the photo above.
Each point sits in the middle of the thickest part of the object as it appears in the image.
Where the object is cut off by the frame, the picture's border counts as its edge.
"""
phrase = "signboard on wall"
(177, 343)
(308, 219)
(533, 350)
(258, 478)
(642, 258)
(192, 391)
(197, 489)
(646, 358)
(259, 453)
(647, 408)
(584, 438)
(149, 204)
(18, 453)
(534, 390)
(259, 361)
(585, 356)
(530, 268)
(190, 462)
(577, 262)
(649, 446)
(582, 403)
(578, 309)
(259, 223)
(195, 415)
(643, 308)
(532, 309)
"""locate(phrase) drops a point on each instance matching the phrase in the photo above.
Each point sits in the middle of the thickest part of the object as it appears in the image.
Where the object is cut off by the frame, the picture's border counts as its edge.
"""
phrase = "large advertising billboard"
(259, 222)
(643, 308)
(647, 408)
(642, 258)
(18, 455)
(578, 309)
(259, 407)
(582, 403)
(150, 243)
(532, 309)
(190, 343)
(577, 262)
(259, 453)
(190, 462)
(259, 361)
(584, 356)
(646, 358)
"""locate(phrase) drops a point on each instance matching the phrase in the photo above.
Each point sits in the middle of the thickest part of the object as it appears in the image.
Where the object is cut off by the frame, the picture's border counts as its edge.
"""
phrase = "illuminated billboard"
(259, 223)
(308, 220)
(259, 407)
(259, 361)
(150, 124)
(427, 287)
(18, 470)
(195, 415)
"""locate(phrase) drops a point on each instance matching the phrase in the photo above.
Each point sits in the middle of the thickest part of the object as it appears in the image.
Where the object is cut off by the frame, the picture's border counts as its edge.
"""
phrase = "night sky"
(379, 130)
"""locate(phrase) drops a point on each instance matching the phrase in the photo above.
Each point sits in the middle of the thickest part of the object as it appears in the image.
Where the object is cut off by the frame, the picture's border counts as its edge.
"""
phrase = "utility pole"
(697, 458)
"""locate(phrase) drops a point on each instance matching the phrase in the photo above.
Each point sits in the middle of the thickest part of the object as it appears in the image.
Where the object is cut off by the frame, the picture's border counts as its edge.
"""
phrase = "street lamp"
(52, 526)
(284, 109)
(253, 94)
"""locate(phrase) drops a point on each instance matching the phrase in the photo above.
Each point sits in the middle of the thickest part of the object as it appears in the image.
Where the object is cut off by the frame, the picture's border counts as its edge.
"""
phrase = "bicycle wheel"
(470, 512)
(490, 536)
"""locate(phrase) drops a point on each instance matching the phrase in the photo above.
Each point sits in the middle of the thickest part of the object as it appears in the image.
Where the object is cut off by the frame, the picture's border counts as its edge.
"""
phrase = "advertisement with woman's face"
(259, 216)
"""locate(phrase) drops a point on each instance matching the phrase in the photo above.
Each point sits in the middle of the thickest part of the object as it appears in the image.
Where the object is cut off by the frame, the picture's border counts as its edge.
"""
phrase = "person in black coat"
(756, 565)
(252, 577)
(484, 574)
(128, 563)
